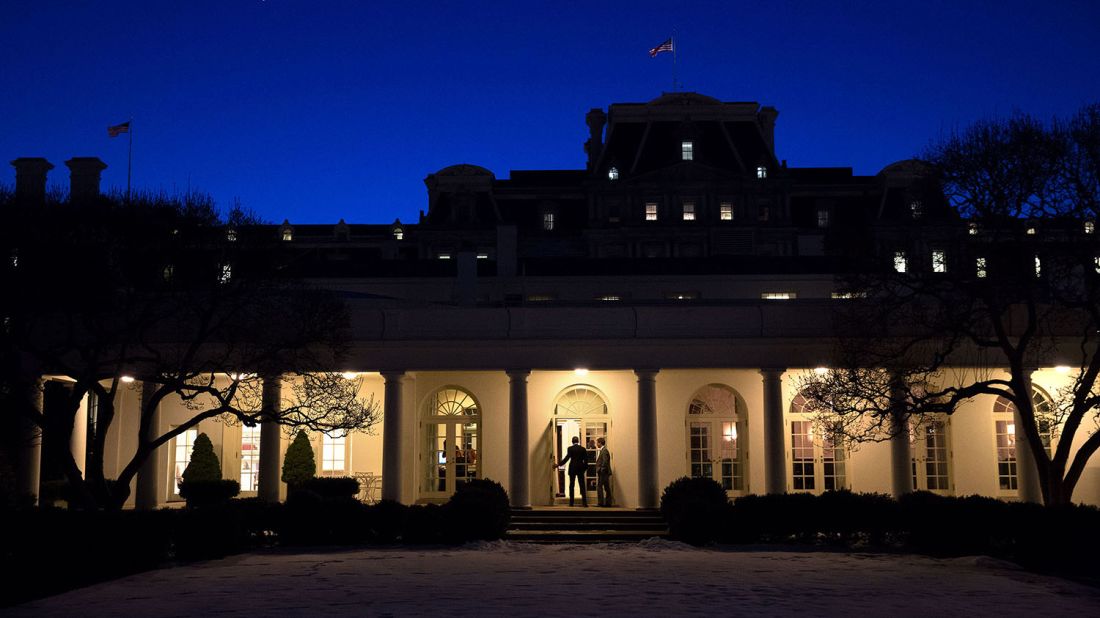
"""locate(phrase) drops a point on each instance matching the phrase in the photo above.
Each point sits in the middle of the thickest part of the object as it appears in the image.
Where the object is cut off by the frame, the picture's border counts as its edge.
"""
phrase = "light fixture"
(580, 371)
(127, 379)
(349, 375)
(1062, 369)
(821, 370)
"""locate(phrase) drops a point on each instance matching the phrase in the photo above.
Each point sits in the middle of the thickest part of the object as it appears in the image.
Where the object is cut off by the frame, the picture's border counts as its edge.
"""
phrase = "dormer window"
(761, 172)
(613, 173)
(725, 211)
(225, 273)
(689, 211)
(231, 235)
(980, 268)
(1031, 231)
(548, 221)
(687, 151)
(651, 211)
(972, 229)
(1090, 226)
(939, 261)
(398, 233)
(286, 232)
(342, 231)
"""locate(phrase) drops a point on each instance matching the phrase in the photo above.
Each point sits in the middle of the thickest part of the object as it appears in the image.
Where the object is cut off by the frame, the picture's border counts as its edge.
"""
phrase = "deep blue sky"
(319, 110)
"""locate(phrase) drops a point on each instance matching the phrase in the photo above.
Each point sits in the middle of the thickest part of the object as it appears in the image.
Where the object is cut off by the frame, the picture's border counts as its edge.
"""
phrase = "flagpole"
(674, 46)
(129, 158)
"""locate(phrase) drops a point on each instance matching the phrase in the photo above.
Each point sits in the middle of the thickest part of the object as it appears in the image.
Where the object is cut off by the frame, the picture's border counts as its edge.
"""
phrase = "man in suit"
(603, 473)
(577, 458)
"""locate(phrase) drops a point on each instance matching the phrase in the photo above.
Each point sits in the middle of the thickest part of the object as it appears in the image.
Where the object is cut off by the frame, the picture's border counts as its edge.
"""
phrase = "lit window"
(288, 234)
(1038, 267)
(1032, 231)
(682, 296)
(610, 298)
(539, 298)
(483, 256)
(900, 263)
(725, 211)
(444, 256)
(822, 217)
(651, 211)
(231, 235)
(182, 446)
(398, 233)
(250, 458)
(687, 151)
(613, 173)
(848, 295)
(761, 172)
(689, 211)
(939, 261)
(778, 296)
(548, 221)
(14, 259)
(332, 453)
(980, 267)
(226, 273)
(916, 209)
(973, 229)
(1090, 226)
(1096, 262)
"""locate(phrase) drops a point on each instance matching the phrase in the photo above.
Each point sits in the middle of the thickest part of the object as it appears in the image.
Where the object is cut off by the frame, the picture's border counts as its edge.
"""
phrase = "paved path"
(653, 578)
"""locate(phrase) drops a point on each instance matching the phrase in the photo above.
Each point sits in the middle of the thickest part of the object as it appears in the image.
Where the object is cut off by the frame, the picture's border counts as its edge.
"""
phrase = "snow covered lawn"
(651, 578)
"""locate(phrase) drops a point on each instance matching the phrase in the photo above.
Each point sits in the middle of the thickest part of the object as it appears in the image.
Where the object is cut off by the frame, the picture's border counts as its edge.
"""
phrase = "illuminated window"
(900, 263)
(398, 233)
(610, 298)
(973, 229)
(444, 256)
(231, 235)
(761, 172)
(939, 261)
(1096, 262)
(613, 173)
(548, 221)
(916, 209)
(333, 451)
(928, 441)
(651, 211)
(483, 256)
(1038, 267)
(848, 295)
(818, 457)
(288, 234)
(1032, 231)
(822, 217)
(540, 298)
(689, 211)
(225, 274)
(682, 296)
(1090, 226)
(250, 458)
(725, 211)
(687, 151)
(778, 295)
(1004, 419)
(980, 268)
(182, 446)
(716, 437)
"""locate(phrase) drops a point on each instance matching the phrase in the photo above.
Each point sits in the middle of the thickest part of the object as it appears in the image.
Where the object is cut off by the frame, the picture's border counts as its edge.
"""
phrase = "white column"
(30, 447)
(647, 438)
(269, 486)
(901, 457)
(518, 478)
(150, 475)
(78, 439)
(1027, 474)
(392, 456)
(775, 461)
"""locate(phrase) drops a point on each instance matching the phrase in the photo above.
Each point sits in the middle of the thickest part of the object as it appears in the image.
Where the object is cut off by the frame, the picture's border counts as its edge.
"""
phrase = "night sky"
(319, 110)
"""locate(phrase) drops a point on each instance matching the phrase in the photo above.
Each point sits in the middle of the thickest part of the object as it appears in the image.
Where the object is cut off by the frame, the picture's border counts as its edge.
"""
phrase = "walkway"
(651, 578)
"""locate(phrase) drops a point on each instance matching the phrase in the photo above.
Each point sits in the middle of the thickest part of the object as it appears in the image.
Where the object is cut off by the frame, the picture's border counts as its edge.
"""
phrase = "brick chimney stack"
(595, 119)
(30, 179)
(84, 175)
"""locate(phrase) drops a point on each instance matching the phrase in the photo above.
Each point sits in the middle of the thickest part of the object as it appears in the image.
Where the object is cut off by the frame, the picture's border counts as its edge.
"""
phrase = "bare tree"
(165, 291)
(1015, 287)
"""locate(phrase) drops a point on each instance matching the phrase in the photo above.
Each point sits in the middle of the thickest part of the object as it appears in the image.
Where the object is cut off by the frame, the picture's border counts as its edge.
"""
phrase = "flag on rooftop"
(118, 129)
(663, 47)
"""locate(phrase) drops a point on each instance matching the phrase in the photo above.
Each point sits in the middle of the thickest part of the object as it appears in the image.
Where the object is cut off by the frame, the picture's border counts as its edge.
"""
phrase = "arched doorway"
(717, 434)
(579, 411)
(819, 457)
(452, 447)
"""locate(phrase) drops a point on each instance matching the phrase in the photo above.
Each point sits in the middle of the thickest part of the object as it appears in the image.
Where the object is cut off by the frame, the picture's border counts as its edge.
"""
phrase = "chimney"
(594, 146)
(84, 178)
(767, 118)
(30, 179)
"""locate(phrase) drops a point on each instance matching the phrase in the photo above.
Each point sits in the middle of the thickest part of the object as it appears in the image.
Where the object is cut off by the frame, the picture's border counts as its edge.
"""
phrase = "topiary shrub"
(696, 509)
(386, 521)
(333, 487)
(299, 466)
(478, 510)
(202, 484)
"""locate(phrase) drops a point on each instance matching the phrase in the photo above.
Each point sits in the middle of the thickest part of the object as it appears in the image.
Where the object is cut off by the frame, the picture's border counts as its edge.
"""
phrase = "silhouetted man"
(577, 457)
(603, 473)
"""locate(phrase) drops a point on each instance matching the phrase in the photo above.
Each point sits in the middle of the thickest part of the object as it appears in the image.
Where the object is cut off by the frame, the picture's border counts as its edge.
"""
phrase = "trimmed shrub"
(695, 509)
(425, 524)
(333, 487)
(199, 494)
(204, 464)
(299, 465)
(478, 510)
(386, 521)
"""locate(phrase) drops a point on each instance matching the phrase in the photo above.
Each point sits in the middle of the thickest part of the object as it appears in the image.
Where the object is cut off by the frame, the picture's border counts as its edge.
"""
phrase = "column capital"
(517, 374)
(646, 373)
(392, 374)
(772, 371)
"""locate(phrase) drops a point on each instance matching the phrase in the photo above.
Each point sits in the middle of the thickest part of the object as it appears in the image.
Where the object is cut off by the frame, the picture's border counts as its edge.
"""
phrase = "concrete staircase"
(557, 524)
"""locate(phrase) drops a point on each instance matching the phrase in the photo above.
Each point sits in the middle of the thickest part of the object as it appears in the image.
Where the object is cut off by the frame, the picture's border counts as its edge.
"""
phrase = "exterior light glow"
(580, 371)
(821, 370)
(349, 375)
(127, 379)
(1062, 368)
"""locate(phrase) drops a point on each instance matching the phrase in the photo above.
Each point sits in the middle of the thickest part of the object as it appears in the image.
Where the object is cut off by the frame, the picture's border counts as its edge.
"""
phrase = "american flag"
(118, 129)
(663, 47)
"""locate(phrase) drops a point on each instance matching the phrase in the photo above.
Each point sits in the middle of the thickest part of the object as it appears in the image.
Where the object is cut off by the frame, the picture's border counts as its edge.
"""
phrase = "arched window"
(452, 451)
(1004, 430)
(819, 459)
(717, 434)
(928, 444)
(580, 400)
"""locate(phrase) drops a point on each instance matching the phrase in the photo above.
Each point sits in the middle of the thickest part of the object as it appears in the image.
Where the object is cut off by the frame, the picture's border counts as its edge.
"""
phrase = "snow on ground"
(649, 578)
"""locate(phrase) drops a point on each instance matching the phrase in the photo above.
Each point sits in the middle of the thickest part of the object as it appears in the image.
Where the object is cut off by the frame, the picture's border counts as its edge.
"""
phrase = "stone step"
(587, 525)
(585, 536)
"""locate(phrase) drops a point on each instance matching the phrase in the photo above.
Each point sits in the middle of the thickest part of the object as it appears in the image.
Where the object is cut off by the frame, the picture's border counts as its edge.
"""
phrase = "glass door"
(565, 429)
